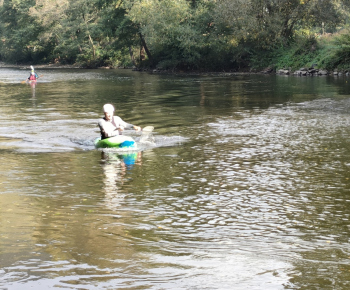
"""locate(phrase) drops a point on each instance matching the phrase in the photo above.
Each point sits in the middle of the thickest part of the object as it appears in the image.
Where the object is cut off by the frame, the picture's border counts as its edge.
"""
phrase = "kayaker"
(33, 75)
(112, 125)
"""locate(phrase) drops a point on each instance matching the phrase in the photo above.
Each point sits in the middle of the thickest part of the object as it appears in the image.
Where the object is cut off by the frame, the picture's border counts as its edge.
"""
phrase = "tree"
(19, 31)
(186, 34)
(52, 14)
(170, 30)
(267, 22)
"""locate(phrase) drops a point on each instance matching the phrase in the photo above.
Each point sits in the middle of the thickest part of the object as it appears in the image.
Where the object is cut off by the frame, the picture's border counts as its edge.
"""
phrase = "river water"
(244, 183)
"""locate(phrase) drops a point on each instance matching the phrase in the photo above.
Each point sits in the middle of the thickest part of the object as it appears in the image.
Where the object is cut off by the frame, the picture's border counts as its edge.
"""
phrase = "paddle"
(146, 135)
(148, 129)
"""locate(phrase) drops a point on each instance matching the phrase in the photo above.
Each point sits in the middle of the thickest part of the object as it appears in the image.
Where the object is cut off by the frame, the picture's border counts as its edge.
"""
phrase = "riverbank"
(37, 66)
(305, 71)
(160, 71)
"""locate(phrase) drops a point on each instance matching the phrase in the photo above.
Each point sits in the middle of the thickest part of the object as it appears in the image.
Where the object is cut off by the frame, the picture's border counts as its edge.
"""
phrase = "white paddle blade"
(148, 129)
(147, 136)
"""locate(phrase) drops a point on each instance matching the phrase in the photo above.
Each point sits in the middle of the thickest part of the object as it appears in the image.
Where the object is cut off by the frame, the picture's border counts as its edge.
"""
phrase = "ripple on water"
(252, 200)
(265, 177)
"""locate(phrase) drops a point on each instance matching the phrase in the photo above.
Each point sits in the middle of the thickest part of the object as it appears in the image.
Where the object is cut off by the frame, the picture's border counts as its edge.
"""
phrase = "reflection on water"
(243, 185)
(115, 166)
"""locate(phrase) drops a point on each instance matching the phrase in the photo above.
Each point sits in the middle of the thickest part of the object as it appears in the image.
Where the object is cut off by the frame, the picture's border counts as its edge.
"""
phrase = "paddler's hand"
(137, 128)
(121, 129)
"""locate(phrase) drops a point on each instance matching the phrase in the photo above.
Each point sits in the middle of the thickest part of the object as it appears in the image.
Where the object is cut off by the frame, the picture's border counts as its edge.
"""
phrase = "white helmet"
(108, 108)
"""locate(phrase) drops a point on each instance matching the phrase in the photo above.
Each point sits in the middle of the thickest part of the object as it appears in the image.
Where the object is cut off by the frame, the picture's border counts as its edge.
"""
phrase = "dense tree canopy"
(183, 34)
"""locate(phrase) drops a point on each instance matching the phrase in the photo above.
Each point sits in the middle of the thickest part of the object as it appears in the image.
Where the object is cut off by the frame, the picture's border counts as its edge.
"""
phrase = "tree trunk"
(93, 47)
(143, 42)
(132, 56)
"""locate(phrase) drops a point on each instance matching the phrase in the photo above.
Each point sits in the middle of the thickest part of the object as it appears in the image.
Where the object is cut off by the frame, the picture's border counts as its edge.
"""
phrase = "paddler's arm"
(129, 126)
(137, 128)
(124, 125)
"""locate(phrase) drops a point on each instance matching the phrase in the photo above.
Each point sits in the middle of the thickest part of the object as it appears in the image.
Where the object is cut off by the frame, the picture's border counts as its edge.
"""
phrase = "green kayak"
(119, 141)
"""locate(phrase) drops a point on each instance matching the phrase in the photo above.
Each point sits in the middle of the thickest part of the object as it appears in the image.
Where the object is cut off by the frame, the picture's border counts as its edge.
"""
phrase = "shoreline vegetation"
(311, 70)
(302, 37)
(333, 59)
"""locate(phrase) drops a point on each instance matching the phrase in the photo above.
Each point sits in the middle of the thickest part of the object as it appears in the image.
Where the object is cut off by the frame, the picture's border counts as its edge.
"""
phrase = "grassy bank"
(330, 52)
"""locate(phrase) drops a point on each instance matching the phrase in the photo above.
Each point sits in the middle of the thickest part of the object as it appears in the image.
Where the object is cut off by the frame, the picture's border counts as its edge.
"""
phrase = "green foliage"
(170, 31)
(336, 53)
(19, 32)
(177, 34)
(332, 52)
(300, 53)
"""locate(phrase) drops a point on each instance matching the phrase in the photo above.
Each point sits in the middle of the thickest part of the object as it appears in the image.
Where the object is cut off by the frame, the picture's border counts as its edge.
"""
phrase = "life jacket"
(32, 76)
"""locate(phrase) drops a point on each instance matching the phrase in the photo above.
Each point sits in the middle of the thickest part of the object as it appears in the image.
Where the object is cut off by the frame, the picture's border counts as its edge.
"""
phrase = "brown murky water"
(246, 185)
